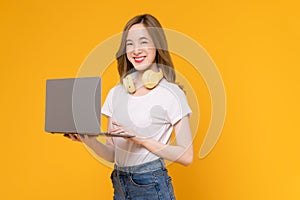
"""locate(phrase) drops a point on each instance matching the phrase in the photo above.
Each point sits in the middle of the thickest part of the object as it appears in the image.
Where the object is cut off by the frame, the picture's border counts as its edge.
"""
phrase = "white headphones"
(150, 80)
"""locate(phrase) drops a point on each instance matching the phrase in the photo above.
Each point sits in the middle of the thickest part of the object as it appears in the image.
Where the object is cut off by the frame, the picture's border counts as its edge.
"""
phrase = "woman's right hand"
(73, 137)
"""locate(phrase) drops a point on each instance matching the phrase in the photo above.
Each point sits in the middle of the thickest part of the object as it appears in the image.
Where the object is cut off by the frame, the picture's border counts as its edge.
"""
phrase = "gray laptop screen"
(73, 105)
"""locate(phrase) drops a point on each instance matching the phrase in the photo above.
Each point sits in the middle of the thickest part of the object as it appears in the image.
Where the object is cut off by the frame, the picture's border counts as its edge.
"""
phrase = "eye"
(129, 44)
(144, 42)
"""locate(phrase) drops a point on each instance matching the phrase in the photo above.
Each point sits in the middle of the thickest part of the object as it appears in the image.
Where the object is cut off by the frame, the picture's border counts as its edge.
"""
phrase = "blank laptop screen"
(73, 105)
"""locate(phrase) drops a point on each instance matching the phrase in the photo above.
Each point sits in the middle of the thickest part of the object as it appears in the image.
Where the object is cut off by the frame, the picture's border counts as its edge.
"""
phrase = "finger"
(114, 129)
(78, 138)
(72, 137)
(81, 137)
(116, 124)
(75, 136)
(67, 135)
(117, 131)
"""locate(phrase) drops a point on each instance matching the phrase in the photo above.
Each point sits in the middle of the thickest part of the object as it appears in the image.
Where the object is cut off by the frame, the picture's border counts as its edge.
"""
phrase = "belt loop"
(162, 163)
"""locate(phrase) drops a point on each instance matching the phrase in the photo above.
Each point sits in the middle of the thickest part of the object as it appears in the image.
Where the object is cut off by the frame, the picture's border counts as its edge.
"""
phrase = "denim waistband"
(142, 168)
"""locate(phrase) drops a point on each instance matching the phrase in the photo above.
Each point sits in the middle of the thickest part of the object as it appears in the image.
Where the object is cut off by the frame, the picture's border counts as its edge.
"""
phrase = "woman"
(149, 105)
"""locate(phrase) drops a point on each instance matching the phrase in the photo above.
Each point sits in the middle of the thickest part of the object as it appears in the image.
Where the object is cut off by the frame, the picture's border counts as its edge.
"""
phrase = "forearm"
(105, 151)
(179, 154)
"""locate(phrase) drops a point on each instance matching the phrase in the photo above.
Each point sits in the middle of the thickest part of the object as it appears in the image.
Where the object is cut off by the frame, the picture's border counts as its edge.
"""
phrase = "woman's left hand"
(120, 129)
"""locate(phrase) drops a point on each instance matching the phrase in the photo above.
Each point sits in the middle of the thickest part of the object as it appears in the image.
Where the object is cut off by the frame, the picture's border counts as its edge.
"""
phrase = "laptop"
(73, 106)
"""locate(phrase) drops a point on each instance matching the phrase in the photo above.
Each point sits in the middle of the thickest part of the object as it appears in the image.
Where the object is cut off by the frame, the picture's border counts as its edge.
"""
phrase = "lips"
(139, 59)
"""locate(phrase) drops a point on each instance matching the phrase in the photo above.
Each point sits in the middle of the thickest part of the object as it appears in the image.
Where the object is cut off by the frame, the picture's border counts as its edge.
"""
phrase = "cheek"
(128, 56)
(151, 55)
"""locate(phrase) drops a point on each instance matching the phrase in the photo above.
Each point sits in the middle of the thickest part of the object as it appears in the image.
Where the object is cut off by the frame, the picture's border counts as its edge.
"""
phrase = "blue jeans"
(141, 182)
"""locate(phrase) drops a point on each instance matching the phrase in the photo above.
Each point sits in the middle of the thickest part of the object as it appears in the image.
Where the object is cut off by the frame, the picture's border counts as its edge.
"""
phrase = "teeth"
(139, 59)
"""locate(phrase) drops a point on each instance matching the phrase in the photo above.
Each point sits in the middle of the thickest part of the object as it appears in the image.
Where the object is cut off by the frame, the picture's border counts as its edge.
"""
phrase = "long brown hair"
(163, 58)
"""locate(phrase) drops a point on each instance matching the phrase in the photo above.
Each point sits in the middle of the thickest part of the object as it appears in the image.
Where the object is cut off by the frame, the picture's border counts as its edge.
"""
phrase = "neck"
(138, 80)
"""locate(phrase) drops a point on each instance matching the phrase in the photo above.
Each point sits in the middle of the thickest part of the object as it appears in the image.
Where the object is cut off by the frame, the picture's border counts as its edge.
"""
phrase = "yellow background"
(255, 45)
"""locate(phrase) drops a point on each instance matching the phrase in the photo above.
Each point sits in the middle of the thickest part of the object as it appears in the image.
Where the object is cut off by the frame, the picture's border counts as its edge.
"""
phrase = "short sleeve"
(178, 106)
(107, 108)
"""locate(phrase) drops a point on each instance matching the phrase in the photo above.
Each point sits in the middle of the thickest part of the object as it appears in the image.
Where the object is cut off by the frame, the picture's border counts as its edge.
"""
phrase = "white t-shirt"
(152, 115)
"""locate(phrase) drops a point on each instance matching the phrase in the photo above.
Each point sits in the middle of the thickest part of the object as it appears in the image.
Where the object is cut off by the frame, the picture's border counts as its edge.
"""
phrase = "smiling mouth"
(139, 59)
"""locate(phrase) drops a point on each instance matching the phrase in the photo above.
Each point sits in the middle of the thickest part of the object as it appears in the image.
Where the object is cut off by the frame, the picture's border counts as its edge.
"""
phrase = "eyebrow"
(141, 38)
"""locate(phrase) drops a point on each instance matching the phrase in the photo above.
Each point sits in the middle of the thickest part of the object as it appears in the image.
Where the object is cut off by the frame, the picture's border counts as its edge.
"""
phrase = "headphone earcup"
(129, 84)
(151, 78)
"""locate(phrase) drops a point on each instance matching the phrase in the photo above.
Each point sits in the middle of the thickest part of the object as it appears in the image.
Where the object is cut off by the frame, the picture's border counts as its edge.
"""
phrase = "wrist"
(146, 142)
(91, 143)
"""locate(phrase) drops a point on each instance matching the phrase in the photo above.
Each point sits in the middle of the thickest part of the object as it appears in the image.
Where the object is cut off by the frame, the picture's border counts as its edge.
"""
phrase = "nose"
(137, 50)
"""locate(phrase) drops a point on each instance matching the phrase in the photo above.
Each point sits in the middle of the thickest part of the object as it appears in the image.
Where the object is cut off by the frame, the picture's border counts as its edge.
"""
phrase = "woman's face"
(140, 49)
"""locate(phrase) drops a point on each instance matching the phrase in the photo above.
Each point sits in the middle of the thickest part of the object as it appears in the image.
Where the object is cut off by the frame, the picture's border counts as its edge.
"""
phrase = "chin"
(141, 67)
